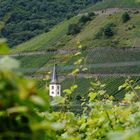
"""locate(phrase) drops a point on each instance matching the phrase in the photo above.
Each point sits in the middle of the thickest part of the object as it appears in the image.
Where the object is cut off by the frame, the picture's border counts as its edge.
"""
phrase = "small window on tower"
(58, 93)
(57, 87)
(52, 92)
(52, 87)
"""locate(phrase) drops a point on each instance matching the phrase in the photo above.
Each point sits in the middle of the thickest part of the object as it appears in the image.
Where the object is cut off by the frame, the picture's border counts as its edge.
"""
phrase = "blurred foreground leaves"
(8, 63)
(20, 101)
(3, 47)
(26, 113)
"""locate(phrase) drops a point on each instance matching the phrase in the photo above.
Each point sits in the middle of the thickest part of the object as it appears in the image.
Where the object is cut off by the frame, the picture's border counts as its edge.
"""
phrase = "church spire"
(54, 87)
(54, 79)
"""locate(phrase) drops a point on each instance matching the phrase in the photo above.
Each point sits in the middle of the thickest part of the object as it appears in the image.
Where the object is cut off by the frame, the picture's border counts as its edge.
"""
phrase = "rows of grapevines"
(27, 112)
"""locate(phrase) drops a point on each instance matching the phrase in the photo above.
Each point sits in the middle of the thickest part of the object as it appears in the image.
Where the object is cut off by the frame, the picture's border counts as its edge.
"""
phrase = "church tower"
(54, 87)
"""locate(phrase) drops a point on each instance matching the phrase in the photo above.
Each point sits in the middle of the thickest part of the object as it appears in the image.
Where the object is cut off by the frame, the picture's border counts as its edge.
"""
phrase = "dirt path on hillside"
(113, 10)
(64, 51)
(109, 11)
(89, 66)
(82, 75)
(41, 74)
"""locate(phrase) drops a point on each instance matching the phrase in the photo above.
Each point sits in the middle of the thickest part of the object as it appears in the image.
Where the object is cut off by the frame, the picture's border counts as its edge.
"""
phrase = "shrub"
(125, 17)
(108, 32)
(84, 19)
(131, 27)
(76, 28)
(91, 14)
(73, 29)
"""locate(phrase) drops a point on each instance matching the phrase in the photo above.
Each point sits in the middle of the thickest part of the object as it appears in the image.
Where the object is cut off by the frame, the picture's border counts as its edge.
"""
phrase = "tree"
(125, 17)
(108, 32)
(73, 29)
(91, 14)
(84, 19)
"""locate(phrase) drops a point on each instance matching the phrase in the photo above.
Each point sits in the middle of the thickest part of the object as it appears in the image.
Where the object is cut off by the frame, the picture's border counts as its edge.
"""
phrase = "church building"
(54, 87)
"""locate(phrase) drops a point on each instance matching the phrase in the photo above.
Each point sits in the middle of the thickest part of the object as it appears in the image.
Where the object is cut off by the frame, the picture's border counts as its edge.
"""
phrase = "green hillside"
(91, 36)
(52, 39)
(125, 34)
(25, 19)
(112, 52)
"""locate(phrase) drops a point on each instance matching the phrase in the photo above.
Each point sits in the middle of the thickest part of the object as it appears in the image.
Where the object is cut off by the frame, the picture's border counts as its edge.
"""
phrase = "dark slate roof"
(54, 79)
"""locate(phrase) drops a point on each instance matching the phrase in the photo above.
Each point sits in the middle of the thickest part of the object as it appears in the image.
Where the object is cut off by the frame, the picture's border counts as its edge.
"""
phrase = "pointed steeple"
(55, 86)
(54, 79)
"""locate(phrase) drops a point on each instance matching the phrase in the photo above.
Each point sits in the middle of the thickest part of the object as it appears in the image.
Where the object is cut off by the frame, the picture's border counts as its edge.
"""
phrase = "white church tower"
(54, 87)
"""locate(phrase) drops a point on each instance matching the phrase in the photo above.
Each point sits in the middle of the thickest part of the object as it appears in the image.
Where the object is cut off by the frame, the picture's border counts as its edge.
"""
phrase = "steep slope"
(113, 54)
(25, 19)
(125, 34)
(50, 39)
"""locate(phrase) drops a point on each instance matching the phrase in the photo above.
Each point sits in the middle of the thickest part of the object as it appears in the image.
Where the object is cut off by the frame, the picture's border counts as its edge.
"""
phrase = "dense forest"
(25, 19)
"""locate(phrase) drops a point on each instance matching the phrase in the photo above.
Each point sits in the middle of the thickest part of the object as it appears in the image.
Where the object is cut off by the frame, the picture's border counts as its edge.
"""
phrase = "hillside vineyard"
(69, 69)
